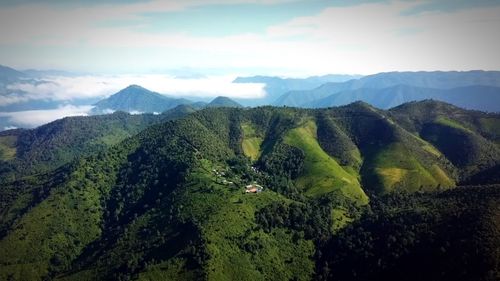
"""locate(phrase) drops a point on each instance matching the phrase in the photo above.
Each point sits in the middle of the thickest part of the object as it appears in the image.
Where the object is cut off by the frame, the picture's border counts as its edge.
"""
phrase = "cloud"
(51, 22)
(64, 88)
(366, 38)
(13, 98)
(33, 118)
(379, 37)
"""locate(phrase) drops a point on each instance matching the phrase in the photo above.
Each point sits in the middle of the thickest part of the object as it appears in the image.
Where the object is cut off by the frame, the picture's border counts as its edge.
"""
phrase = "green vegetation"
(452, 235)
(321, 173)
(7, 147)
(251, 142)
(395, 167)
(451, 123)
(169, 202)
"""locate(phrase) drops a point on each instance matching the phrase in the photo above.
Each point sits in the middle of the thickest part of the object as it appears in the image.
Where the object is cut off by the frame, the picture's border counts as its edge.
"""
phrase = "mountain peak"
(134, 89)
(221, 101)
(135, 98)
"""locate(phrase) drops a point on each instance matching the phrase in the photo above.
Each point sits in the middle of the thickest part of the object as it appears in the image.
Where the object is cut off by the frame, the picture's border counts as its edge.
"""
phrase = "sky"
(196, 48)
(285, 37)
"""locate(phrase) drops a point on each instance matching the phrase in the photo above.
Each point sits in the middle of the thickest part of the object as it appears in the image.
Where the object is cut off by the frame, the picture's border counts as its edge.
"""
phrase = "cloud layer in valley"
(67, 91)
(85, 87)
(33, 118)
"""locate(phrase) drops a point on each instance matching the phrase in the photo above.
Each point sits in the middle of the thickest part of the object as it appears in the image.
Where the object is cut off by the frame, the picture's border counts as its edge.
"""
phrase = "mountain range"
(136, 99)
(484, 98)
(348, 193)
(470, 89)
(277, 86)
(478, 90)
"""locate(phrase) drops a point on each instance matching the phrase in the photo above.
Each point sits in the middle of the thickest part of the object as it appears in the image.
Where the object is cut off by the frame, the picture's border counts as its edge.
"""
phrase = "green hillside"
(251, 142)
(8, 147)
(321, 173)
(468, 139)
(27, 152)
(170, 202)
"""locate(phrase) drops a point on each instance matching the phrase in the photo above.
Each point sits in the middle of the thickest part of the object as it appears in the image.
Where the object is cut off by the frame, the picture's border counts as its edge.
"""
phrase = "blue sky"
(284, 37)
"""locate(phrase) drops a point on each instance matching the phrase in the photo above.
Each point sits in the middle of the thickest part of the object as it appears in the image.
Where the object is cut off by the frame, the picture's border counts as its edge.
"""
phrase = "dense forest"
(346, 193)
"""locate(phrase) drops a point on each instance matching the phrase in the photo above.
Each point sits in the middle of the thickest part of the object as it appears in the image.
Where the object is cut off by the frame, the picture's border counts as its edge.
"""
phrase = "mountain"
(484, 98)
(223, 102)
(340, 186)
(276, 86)
(468, 139)
(9, 75)
(136, 99)
(30, 151)
(405, 86)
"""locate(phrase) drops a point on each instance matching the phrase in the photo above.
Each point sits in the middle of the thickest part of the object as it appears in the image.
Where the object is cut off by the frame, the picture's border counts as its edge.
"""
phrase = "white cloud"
(33, 118)
(136, 112)
(45, 22)
(84, 87)
(362, 39)
(12, 98)
(378, 37)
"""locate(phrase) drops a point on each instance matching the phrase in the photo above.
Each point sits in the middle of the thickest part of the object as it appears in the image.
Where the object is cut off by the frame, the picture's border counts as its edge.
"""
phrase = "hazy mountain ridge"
(277, 86)
(479, 97)
(471, 89)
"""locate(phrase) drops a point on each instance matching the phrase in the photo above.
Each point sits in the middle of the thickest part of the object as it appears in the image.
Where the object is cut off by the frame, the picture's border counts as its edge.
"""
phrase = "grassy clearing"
(322, 174)
(172, 269)
(114, 137)
(395, 167)
(340, 219)
(7, 147)
(431, 149)
(451, 123)
(252, 141)
(391, 176)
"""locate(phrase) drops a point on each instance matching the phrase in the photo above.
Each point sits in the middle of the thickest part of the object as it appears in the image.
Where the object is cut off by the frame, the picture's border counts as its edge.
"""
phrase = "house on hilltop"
(253, 188)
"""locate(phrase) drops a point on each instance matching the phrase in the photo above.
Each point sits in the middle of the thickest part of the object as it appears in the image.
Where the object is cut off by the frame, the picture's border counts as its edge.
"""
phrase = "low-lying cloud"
(66, 91)
(86, 87)
(33, 118)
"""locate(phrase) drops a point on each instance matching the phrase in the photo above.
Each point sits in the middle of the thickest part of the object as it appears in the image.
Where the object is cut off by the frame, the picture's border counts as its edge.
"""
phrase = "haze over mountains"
(471, 89)
(479, 90)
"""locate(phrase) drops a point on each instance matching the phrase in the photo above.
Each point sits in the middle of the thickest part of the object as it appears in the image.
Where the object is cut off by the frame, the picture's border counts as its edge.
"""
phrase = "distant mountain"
(8, 75)
(276, 86)
(485, 98)
(425, 80)
(53, 72)
(136, 99)
(223, 102)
